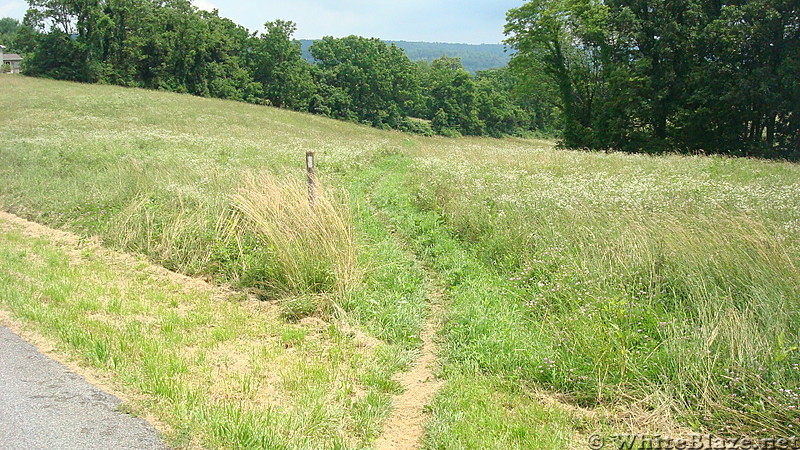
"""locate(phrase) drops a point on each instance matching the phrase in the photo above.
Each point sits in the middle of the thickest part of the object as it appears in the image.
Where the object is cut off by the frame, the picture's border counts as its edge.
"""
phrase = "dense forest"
(689, 75)
(695, 76)
(475, 58)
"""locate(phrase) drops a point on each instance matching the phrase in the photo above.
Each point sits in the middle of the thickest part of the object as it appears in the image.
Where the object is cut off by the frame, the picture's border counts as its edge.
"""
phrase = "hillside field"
(553, 294)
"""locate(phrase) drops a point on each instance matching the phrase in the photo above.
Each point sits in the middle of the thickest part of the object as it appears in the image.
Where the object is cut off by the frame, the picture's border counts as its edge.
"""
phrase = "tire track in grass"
(500, 413)
(405, 426)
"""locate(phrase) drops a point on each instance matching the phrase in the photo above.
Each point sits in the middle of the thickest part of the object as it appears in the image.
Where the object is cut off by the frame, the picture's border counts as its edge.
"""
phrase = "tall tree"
(369, 80)
(277, 63)
(561, 43)
(452, 90)
(8, 31)
(652, 75)
(58, 50)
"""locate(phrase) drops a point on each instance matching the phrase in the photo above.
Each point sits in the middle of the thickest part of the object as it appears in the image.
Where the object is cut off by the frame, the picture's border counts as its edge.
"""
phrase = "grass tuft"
(308, 248)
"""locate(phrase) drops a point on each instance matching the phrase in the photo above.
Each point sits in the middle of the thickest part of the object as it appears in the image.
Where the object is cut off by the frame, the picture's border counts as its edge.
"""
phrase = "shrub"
(417, 126)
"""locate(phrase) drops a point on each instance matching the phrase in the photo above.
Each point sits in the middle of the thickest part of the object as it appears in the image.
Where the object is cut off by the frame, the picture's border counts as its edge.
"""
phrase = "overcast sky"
(467, 21)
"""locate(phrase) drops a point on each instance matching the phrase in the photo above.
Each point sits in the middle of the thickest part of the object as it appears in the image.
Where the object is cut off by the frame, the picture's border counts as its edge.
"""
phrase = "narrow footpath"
(44, 405)
(405, 427)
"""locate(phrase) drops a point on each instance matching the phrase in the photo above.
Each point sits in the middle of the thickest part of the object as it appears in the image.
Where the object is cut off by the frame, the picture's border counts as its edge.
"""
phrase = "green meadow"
(571, 292)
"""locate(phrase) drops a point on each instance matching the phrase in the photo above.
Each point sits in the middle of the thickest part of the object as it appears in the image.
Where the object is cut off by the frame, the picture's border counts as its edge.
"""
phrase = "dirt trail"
(405, 427)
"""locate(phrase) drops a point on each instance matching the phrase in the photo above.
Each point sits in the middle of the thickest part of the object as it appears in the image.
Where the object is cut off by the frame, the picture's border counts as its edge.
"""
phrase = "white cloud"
(205, 5)
(12, 9)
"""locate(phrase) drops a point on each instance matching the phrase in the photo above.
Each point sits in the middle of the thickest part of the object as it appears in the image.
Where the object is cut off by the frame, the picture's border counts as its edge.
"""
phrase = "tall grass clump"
(289, 245)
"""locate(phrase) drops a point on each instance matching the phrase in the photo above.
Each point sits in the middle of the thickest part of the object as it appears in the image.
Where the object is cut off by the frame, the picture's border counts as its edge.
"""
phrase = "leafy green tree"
(120, 38)
(441, 123)
(197, 52)
(171, 45)
(659, 33)
(58, 56)
(8, 32)
(62, 48)
(750, 51)
(655, 75)
(452, 90)
(373, 82)
(561, 44)
(24, 40)
(278, 65)
(497, 105)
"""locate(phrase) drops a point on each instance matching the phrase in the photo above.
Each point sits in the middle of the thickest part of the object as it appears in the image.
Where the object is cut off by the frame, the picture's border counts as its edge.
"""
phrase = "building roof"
(11, 57)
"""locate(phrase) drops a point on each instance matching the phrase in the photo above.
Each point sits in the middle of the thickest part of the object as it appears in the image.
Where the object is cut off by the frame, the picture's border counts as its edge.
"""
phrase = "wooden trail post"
(312, 178)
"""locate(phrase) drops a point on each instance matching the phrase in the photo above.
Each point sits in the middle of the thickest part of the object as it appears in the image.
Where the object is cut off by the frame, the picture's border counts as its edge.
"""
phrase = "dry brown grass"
(309, 248)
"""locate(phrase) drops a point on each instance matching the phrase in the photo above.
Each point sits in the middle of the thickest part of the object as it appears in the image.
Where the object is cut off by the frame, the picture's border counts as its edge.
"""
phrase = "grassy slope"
(220, 370)
(663, 284)
(156, 190)
(671, 281)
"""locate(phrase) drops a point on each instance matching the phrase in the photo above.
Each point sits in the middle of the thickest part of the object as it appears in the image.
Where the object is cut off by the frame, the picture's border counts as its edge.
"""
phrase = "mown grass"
(664, 285)
(218, 369)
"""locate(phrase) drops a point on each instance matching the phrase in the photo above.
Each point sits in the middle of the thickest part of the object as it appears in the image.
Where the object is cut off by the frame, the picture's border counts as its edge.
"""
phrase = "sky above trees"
(472, 22)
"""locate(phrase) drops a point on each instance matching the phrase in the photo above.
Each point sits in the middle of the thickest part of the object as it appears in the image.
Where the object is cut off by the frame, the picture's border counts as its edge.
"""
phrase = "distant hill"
(474, 57)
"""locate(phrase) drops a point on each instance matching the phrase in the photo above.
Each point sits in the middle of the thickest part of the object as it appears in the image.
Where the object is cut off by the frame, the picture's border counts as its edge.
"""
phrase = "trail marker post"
(312, 178)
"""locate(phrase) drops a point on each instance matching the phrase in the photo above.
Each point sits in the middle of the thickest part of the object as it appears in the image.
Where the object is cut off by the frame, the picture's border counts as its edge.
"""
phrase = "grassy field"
(221, 370)
(574, 292)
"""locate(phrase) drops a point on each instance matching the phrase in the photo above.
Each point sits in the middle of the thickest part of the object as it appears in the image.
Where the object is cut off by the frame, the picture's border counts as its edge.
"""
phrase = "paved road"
(45, 406)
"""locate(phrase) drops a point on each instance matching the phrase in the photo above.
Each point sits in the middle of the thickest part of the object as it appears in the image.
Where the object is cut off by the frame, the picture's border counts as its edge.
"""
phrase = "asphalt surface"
(43, 405)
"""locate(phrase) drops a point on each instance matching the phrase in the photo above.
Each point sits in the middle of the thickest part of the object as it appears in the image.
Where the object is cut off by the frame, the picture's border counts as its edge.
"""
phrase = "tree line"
(171, 45)
(697, 76)
(713, 76)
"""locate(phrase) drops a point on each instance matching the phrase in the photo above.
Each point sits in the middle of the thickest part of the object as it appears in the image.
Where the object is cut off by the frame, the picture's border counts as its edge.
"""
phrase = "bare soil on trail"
(405, 426)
